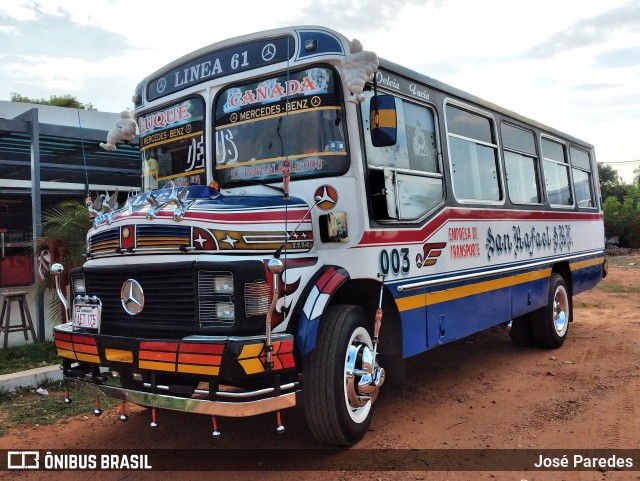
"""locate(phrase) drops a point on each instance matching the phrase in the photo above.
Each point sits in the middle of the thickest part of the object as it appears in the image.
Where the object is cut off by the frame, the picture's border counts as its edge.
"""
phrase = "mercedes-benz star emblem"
(268, 52)
(132, 297)
(161, 85)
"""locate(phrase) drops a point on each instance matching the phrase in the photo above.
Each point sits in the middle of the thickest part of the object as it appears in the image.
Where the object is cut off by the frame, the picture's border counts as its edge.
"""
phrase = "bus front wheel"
(338, 394)
(550, 324)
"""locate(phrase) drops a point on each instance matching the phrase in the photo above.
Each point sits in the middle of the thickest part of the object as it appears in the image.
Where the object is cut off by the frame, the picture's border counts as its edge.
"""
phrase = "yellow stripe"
(587, 263)
(173, 139)
(118, 355)
(88, 357)
(421, 300)
(190, 368)
(65, 353)
(293, 112)
(157, 366)
(252, 366)
(251, 350)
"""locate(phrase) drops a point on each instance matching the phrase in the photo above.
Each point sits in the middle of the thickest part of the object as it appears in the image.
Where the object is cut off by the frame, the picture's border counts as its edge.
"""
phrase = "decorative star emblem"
(230, 240)
(200, 240)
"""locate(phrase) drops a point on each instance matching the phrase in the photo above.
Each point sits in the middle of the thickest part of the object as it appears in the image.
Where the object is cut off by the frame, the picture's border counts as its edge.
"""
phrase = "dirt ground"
(478, 393)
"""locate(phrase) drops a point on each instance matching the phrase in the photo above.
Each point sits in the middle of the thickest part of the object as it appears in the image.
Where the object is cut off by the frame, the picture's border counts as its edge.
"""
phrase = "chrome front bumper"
(203, 406)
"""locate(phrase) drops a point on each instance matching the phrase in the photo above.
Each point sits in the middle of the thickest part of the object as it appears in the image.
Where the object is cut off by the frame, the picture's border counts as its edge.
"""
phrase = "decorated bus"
(309, 217)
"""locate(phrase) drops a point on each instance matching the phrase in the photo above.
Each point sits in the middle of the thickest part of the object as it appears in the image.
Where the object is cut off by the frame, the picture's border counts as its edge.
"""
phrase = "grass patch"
(26, 407)
(20, 358)
(614, 288)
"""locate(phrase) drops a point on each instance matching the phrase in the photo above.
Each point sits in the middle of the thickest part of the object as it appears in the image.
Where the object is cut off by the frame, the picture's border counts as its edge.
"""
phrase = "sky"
(573, 65)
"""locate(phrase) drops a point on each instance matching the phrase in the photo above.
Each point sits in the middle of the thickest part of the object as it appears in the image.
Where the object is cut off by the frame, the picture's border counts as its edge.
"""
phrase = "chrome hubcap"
(561, 310)
(362, 380)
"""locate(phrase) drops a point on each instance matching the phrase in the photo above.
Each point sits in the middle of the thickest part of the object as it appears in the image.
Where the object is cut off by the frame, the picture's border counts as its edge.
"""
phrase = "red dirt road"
(481, 392)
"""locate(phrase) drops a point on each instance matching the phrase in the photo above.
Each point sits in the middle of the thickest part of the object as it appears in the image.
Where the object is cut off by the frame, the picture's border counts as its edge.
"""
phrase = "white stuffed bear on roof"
(359, 68)
(125, 130)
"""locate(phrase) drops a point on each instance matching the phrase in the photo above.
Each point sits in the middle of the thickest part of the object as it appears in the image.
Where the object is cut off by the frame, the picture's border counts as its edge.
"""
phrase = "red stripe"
(64, 345)
(392, 236)
(62, 337)
(202, 348)
(159, 346)
(157, 356)
(83, 340)
(324, 278)
(87, 349)
(287, 361)
(253, 217)
(334, 282)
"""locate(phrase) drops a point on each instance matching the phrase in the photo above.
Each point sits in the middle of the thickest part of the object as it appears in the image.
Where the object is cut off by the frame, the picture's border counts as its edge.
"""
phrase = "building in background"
(58, 148)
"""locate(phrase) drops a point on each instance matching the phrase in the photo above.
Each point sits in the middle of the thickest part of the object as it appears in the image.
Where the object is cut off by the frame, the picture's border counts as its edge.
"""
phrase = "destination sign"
(221, 63)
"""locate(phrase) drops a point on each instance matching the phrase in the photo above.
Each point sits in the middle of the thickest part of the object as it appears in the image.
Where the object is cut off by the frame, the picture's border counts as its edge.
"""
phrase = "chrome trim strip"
(202, 406)
(435, 282)
(232, 394)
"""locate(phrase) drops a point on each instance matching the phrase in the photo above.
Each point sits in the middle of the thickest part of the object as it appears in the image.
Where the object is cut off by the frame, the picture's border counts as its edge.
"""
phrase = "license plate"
(87, 316)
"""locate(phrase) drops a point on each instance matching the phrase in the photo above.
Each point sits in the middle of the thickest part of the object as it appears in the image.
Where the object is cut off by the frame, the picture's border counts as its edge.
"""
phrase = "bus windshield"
(296, 116)
(172, 145)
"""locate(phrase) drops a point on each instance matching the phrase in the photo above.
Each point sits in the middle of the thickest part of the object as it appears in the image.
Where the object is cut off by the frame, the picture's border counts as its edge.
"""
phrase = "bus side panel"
(414, 329)
(455, 319)
(586, 277)
(529, 296)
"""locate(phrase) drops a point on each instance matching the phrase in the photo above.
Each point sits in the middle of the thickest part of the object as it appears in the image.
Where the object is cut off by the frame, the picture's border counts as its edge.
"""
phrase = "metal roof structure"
(67, 155)
(40, 157)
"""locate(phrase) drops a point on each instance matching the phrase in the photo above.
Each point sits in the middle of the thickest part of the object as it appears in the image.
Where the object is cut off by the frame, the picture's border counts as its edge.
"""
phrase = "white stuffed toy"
(125, 130)
(359, 68)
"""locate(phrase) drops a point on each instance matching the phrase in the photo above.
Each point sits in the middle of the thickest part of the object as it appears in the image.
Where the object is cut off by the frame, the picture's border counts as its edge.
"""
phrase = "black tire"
(550, 324)
(325, 389)
(521, 333)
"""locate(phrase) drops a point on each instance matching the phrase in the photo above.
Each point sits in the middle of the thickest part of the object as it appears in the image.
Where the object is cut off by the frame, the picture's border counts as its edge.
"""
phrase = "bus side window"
(473, 153)
(556, 173)
(522, 165)
(582, 177)
(405, 180)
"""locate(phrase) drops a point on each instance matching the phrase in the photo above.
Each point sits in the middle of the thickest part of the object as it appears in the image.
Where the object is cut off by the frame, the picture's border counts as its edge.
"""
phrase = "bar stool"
(5, 320)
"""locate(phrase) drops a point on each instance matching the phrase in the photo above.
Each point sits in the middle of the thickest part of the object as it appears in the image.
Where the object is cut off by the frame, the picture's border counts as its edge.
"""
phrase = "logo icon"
(161, 85)
(268, 52)
(430, 254)
(23, 460)
(132, 297)
(326, 196)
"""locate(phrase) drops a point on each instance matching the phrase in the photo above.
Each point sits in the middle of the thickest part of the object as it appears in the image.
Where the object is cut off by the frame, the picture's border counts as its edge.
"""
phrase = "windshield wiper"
(271, 186)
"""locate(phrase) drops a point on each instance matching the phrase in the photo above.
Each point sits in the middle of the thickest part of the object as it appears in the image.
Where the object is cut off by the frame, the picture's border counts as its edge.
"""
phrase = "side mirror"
(383, 120)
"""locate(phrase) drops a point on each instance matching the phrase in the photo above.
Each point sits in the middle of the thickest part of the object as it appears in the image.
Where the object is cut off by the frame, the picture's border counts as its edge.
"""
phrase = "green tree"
(55, 101)
(611, 184)
(65, 226)
(622, 219)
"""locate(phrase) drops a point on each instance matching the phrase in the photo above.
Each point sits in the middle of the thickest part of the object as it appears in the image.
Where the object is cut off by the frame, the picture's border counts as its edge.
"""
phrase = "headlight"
(224, 311)
(223, 284)
(79, 286)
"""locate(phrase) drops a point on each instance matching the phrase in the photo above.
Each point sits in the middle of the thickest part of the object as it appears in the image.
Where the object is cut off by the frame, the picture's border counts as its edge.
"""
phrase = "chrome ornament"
(132, 297)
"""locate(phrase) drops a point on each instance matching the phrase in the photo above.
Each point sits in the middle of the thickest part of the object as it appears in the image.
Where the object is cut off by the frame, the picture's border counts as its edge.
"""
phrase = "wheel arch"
(564, 270)
(332, 285)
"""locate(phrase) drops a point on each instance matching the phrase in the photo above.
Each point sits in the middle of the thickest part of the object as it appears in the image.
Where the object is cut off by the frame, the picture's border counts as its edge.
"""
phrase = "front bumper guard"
(202, 406)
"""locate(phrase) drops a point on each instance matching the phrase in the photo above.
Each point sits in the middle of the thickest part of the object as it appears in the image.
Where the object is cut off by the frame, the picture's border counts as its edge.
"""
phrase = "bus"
(309, 217)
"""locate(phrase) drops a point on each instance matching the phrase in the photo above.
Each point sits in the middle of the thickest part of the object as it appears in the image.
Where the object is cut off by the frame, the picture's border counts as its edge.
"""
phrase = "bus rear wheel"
(340, 382)
(550, 324)
(520, 331)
